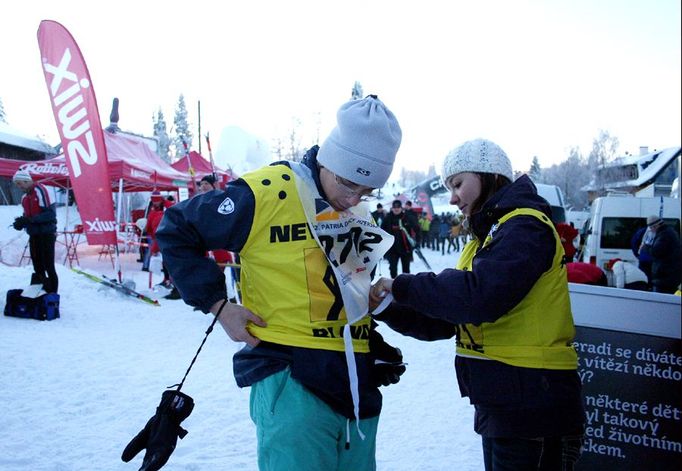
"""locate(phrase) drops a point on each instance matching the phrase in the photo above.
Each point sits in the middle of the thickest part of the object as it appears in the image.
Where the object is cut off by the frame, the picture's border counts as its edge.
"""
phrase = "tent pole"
(3, 195)
(120, 200)
(68, 188)
(118, 222)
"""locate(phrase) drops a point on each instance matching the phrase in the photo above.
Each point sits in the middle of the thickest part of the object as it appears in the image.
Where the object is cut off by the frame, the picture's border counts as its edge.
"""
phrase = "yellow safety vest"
(285, 276)
(536, 333)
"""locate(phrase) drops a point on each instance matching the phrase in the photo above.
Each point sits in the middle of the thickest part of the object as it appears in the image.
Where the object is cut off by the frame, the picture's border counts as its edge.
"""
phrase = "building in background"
(17, 145)
(647, 174)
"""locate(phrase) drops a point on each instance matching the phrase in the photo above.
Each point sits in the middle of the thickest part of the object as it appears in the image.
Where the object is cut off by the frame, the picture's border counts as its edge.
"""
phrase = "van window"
(558, 214)
(617, 232)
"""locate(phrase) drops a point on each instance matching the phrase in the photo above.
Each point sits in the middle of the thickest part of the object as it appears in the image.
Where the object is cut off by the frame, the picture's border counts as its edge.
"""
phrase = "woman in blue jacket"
(507, 304)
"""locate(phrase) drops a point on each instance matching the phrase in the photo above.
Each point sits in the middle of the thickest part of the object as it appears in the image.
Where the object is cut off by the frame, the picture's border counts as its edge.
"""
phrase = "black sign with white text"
(632, 387)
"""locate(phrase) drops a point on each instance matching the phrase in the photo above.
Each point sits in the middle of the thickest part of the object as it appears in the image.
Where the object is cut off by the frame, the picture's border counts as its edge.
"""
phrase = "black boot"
(174, 294)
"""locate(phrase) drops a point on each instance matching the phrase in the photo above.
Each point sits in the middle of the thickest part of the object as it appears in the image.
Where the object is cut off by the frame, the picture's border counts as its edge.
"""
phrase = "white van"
(556, 200)
(614, 219)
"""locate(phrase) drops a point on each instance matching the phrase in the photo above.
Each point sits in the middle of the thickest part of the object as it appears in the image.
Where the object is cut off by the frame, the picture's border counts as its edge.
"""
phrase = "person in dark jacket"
(403, 229)
(379, 214)
(515, 359)
(40, 221)
(207, 183)
(663, 244)
(444, 228)
(413, 217)
(641, 252)
(434, 232)
(297, 228)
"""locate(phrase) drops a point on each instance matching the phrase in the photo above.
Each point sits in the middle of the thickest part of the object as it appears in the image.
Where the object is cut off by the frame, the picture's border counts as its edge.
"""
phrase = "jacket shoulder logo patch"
(227, 206)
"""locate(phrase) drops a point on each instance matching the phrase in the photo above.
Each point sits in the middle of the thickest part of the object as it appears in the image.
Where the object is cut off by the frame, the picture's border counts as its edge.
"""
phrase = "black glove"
(388, 361)
(20, 222)
(161, 433)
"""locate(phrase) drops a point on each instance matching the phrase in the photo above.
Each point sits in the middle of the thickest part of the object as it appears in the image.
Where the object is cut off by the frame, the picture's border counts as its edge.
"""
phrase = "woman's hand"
(379, 291)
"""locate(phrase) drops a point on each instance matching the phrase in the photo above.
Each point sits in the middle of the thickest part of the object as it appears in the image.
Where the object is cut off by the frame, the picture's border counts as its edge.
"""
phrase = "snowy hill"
(78, 388)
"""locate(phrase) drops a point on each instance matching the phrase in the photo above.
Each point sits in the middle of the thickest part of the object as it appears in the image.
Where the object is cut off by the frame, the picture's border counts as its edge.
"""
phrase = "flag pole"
(199, 120)
(210, 155)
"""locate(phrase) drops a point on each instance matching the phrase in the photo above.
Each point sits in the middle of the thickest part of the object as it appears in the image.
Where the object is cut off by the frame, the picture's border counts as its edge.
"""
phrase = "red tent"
(201, 167)
(129, 159)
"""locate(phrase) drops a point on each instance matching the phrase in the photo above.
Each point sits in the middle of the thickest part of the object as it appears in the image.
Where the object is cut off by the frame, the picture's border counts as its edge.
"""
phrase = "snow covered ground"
(77, 389)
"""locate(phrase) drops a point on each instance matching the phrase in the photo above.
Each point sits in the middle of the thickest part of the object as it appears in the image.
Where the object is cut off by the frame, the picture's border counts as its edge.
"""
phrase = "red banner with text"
(75, 111)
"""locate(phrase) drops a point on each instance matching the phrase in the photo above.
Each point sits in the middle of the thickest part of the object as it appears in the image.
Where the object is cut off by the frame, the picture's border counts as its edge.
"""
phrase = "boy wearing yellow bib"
(508, 306)
(297, 228)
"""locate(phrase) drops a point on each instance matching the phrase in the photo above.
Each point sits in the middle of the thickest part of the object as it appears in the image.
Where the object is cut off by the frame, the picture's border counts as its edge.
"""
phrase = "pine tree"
(3, 116)
(182, 130)
(356, 93)
(535, 172)
(161, 134)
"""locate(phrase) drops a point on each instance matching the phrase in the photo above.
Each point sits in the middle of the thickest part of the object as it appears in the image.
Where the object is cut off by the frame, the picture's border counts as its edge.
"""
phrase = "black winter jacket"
(392, 224)
(665, 258)
(509, 401)
(188, 230)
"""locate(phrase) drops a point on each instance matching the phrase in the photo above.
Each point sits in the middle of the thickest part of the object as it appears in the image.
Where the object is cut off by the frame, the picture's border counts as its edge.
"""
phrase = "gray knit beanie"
(479, 155)
(363, 145)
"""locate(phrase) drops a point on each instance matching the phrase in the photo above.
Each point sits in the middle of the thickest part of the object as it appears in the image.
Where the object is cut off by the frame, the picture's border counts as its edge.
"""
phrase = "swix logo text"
(71, 113)
(100, 226)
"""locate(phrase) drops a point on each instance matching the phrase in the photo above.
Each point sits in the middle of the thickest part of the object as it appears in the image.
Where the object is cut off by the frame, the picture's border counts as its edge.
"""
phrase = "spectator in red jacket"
(567, 233)
(40, 221)
(154, 219)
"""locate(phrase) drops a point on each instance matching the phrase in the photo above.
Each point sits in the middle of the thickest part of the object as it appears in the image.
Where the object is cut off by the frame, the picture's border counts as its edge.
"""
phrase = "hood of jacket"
(522, 193)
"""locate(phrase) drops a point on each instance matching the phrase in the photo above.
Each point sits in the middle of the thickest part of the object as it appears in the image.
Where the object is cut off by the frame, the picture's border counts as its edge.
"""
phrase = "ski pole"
(208, 332)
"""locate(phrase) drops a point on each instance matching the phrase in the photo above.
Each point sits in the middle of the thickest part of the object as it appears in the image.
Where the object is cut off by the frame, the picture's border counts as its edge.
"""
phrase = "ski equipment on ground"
(112, 283)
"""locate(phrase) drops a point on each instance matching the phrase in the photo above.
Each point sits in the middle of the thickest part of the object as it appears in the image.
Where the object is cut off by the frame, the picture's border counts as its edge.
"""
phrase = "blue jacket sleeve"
(213, 220)
(503, 273)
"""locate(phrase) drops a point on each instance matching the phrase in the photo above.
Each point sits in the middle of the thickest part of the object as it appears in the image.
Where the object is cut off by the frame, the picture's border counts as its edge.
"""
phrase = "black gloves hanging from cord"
(20, 222)
(388, 360)
(161, 433)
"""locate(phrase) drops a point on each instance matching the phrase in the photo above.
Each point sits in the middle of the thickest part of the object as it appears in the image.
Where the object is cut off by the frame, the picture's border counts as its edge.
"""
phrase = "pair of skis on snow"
(121, 288)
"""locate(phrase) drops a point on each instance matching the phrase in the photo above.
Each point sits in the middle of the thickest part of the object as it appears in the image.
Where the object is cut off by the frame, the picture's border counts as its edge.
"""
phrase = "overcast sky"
(537, 77)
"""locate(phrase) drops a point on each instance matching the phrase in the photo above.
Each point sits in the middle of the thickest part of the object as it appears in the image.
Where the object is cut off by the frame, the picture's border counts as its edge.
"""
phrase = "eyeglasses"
(350, 189)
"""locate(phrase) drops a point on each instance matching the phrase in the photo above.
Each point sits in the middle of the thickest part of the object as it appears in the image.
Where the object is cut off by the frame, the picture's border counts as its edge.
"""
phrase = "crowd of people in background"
(656, 247)
(441, 233)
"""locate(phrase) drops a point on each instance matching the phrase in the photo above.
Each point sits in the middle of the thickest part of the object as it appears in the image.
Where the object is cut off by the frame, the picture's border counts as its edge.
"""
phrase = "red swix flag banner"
(75, 111)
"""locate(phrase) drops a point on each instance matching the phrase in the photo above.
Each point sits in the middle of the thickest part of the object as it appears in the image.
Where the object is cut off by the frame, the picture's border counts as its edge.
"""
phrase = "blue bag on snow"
(44, 308)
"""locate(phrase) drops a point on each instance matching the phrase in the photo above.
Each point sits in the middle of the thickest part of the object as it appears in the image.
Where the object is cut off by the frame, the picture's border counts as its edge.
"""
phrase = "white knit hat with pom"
(22, 176)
